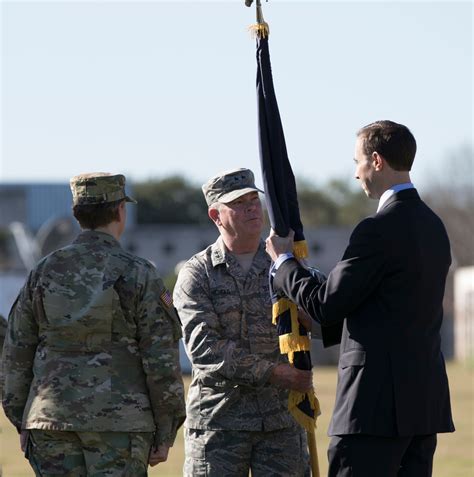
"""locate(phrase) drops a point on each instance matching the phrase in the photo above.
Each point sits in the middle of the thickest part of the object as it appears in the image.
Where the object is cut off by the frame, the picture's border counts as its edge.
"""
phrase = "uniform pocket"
(195, 443)
(140, 446)
(215, 399)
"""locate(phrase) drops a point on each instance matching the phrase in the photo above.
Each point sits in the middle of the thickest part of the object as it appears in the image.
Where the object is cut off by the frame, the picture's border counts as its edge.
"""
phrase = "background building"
(37, 204)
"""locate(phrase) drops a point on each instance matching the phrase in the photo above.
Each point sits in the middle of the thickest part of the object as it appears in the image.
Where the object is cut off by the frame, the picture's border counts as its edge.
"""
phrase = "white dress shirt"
(393, 190)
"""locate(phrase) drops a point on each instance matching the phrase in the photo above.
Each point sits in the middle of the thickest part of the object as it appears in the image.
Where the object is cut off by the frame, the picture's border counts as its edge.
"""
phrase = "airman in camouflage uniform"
(237, 416)
(92, 376)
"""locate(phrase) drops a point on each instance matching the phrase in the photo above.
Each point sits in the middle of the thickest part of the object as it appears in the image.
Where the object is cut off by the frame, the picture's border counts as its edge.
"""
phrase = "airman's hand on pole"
(292, 378)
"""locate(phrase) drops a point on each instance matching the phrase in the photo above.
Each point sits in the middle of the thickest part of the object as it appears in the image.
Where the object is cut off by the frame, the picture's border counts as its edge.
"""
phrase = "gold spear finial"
(261, 28)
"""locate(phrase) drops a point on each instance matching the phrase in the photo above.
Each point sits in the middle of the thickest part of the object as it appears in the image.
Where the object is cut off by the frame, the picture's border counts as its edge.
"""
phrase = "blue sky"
(157, 88)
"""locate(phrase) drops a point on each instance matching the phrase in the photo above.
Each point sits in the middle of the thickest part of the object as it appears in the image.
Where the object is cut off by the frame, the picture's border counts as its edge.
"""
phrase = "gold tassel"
(282, 305)
(296, 397)
(304, 420)
(290, 343)
(300, 249)
(293, 341)
(259, 30)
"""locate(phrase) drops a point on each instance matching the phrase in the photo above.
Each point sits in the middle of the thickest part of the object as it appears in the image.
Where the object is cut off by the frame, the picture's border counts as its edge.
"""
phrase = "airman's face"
(243, 217)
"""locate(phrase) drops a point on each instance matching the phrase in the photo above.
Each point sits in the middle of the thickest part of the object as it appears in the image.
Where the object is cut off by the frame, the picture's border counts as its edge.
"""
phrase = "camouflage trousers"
(91, 454)
(281, 453)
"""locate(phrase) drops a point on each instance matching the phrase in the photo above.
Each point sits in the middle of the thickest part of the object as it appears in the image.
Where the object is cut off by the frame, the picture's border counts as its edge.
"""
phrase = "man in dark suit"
(383, 303)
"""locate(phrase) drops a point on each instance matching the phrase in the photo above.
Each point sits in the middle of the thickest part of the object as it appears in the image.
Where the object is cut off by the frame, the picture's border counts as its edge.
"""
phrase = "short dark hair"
(394, 142)
(92, 216)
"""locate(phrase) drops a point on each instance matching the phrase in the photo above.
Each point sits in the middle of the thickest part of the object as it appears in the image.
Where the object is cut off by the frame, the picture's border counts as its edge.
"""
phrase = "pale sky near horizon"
(156, 88)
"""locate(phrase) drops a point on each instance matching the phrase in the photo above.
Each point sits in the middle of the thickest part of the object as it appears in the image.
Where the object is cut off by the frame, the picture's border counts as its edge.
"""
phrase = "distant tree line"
(450, 192)
(172, 200)
(175, 200)
(451, 196)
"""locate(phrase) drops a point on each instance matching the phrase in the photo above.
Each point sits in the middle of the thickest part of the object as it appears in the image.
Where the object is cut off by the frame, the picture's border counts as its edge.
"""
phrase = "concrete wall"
(10, 285)
(464, 314)
(167, 245)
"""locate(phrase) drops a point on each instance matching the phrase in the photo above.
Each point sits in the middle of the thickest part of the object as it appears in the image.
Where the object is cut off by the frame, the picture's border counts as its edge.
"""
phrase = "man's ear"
(121, 207)
(377, 161)
(214, 215)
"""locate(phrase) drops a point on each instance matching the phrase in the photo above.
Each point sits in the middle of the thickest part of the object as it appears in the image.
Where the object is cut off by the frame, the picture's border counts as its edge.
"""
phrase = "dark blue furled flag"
(282, 204)
(279, 181)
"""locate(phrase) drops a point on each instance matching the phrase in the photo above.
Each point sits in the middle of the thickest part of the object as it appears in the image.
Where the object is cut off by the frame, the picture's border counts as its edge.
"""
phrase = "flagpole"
(313, 452)
(280, 192)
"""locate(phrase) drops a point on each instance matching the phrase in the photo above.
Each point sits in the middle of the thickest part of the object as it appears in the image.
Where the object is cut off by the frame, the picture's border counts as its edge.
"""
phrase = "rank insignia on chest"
(166, 298)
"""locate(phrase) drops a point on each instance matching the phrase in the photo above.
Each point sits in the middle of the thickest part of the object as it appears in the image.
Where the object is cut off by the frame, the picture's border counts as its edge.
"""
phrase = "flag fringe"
(300, 249)
(282, 305)
(259, 30)
(303, 419)
(291, 343)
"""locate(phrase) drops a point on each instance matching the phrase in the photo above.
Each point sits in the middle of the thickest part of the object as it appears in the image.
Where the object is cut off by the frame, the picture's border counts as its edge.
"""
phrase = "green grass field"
(454, 456)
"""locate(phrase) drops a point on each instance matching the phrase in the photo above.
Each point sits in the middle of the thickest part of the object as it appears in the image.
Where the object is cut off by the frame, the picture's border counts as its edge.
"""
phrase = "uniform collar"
(220, 255)
(97, 237)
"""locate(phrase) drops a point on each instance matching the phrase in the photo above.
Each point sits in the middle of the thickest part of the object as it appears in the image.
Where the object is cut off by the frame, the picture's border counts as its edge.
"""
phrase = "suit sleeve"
(18, 355)
(159, 332)
(348, 285)
(211, 354)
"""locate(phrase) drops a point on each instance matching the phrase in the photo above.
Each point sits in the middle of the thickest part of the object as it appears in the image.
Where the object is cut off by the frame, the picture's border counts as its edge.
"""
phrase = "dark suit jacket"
(383, 303)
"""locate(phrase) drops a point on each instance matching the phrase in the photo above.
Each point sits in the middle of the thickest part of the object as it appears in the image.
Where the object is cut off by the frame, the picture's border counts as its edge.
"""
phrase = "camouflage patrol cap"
(98, 188)
(228, 186)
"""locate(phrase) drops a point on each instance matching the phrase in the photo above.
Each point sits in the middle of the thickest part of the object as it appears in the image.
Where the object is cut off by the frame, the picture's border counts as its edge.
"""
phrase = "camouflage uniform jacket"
(92, 345)
(232, 343)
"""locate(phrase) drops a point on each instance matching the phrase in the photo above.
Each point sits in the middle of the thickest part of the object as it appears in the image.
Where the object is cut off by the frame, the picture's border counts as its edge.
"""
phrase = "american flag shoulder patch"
(166, 298)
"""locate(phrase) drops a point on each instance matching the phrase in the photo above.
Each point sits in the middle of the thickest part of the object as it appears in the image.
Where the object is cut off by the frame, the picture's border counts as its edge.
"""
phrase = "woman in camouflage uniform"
(92, 376)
